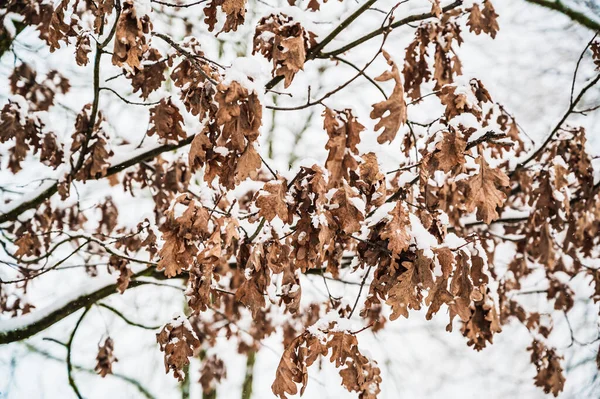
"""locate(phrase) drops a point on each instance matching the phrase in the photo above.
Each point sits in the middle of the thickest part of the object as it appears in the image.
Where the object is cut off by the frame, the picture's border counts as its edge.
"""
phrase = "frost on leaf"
(484, 191)
(166, 121)
(179, 342)
(391, 112)
(105, 358)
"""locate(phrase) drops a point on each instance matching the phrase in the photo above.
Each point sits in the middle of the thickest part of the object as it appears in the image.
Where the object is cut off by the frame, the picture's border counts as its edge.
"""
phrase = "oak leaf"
(391, 112)
(166, 121)
(397, 230)
(271, 201)
(403, 294)
(179, 342)
(105, 358)
(484, 191)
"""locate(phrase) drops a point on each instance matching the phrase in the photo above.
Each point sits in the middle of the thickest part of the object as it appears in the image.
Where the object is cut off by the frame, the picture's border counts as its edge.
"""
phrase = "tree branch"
(32, 323)
(377, 32)
(575, 16)
(125, 378)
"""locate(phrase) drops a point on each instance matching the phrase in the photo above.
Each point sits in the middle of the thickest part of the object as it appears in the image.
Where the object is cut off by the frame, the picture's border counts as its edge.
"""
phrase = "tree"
(467, 215)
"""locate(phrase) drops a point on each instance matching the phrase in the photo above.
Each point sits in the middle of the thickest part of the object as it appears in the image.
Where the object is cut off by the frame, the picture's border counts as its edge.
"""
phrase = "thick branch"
(50, 191)
(575, 16)
(32, 323)
(377, 32)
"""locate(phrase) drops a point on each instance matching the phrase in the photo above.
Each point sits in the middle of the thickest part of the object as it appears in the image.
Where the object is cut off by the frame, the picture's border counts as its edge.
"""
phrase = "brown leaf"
(397, 230)
(344, 136)
(484, 191)
(271, 201)
(344, 210)
(82, 49)
(450, 153)
(166, 121)
(394, 108)
(457, 103)
(130, 39)
(105, 358)
(290, 54)
(179, 342)
(404, 295)
(483, 21)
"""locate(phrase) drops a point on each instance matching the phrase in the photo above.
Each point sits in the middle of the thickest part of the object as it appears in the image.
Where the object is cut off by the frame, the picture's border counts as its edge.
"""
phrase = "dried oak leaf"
(457, 102)
(483, 21)
(213, 371)
(166, 121)
(180, 232)
(484, 191)
(290, 54)
(179, 342)
(130, 39)
(359, 374)
(415, 69)
(248, 164)
(344, 135)
(252, 291)
(300, 354)
(95, 164)
(235, 11)
(549, 371)
(292, 370)
(595, 47)
(149, 78)
(344, 211)
(285, 42)
(120, 264)
(397, 230)
(391, 112)
(449, 154)
(271, 201)
(403, 294)
(105, 358)
(201, 274)
(82, 49)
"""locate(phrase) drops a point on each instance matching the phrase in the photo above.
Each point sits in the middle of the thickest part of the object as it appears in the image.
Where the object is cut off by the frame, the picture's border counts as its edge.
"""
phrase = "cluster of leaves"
(422, 230)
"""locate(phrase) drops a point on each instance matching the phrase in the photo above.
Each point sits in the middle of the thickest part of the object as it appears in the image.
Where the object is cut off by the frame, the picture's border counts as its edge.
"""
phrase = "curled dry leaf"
(285, 42)
(105, 358)
(483, 20)
(166, 121)
(130, 39)
(391, 112)
(179, 342)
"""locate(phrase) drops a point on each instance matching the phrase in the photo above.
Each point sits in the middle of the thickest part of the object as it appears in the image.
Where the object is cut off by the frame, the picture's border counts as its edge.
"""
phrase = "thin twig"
(69, 348)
